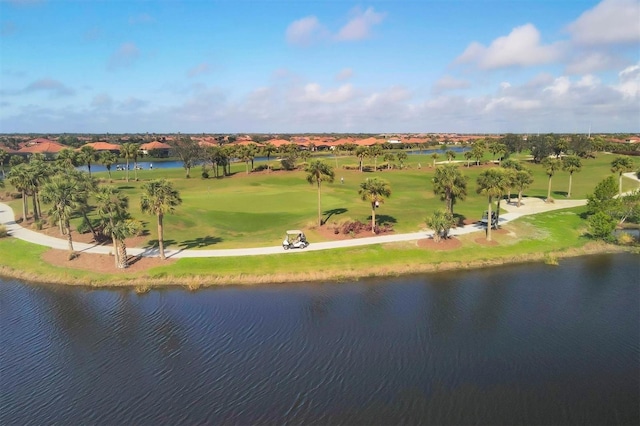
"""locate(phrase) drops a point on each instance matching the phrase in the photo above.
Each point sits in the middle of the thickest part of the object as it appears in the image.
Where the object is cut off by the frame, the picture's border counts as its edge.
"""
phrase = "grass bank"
(545, 237)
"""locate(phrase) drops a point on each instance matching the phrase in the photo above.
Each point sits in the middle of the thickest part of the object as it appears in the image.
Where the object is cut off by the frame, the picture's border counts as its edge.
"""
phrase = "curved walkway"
(529, 206)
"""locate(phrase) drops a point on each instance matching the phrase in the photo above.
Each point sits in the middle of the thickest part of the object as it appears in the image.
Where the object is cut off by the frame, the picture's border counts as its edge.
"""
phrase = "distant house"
(46, 147)
(160, 149)
(103, 146)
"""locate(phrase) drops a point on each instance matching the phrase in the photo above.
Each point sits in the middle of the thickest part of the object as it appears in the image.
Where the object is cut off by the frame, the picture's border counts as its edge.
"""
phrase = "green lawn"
(251, 210)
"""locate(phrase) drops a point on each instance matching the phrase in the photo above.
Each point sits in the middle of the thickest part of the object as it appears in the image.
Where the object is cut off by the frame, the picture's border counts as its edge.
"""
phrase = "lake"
(527, 344)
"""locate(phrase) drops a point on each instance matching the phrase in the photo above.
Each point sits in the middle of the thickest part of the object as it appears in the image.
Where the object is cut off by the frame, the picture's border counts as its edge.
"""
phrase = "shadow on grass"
(199, 242)
(459, 218)
(561, 193)
(332, 212)
(154, 244)
(383, 218)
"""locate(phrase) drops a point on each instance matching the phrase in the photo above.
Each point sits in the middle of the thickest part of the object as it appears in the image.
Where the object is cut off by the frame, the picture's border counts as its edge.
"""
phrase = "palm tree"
(65, 197)
(468, 155)
(361, 152)
(511, 165)
(318, 172)
(450, 184)
(571, 164)
(521, 181)
(435, 157)
(491, 183)
(621, 165)
(3, 156)
(375, 191)
(389, 157)
(375, 151)
(269, 149)
(159, 197)
(128, 151)
(450, 154)
(551, 165)
(112, 208)
(87, 155)
(20, 178)
(108, 158)
(67, 158)
(478, 151)
(402, 156)
(440, 222)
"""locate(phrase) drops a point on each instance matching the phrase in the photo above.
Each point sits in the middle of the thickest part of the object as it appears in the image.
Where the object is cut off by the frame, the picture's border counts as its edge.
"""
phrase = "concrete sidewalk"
(529, 206)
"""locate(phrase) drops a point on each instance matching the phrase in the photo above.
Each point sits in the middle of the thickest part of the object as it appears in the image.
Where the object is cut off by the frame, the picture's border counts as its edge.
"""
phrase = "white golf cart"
(294, 239)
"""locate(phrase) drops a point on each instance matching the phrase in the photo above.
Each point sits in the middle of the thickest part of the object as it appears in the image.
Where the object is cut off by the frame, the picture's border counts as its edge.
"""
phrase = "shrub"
(601, 226)
(625, 239)
(38, 224)
(3, 231)
(205, 175)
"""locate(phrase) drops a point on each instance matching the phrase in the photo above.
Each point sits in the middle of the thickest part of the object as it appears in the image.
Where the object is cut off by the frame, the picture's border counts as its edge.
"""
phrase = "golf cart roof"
(294, 231)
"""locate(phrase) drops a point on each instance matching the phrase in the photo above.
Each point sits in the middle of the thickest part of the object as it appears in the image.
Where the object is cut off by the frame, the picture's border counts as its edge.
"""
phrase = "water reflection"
(527, 344)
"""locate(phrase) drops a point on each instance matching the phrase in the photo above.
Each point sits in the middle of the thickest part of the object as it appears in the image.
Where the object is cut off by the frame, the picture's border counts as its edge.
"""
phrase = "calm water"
(532, 344)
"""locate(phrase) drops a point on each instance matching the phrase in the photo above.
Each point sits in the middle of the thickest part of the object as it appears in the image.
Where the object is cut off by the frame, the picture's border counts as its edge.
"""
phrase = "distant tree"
(188, 151)
(434, 156)
(87, 156)
(108, 159)
(128, 151)
(375, 191)
(20, 178)
(468, 155)
(581, 145)
(67, 158)
(269, 149)
(478, 151)
(551, 166)
(3, 156)
(14, 160)
(159, 198)
(361, 152)
(318, 172)
(559, 146)
(571, 164)
(450, 154)
(541, 147)
(604, 198)
(389, 158)
(375, 151)
(621, 165)
(601, 226)
(521, 181)
(402, 156)
(112, 208)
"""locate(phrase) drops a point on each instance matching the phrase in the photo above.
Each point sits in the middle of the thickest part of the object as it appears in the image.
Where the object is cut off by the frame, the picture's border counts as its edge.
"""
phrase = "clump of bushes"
(3, 231)
(355, 227)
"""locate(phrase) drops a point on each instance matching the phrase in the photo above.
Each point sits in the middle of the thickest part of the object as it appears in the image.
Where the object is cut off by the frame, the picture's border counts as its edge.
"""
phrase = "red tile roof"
(42, 146)
(103, 146)
(154, 145)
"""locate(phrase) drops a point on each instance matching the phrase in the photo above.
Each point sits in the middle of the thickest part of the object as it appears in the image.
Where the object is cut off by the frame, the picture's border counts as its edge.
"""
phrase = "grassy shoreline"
(546, 237)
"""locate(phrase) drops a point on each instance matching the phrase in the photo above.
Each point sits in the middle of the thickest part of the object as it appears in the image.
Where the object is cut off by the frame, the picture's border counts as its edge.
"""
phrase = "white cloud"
(560, 86)
(447, 83)
(360, 25)
(305, 31)
(102, 101)
(520, 48)
(610, 22)
(312, 92)
(629, 84)
(143, 18)
(125, 56)
(54, 87)
(344, 74)
(308, 30)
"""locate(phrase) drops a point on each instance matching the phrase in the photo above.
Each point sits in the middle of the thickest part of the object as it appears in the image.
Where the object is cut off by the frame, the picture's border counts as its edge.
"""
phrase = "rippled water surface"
(532, 344)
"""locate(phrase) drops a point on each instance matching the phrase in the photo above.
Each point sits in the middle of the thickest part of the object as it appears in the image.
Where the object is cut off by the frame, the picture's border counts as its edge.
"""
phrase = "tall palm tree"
(67, 158)
(402, 156)
(269, 149)
(375, 151)
(389, 158)
(551, 166)
(128, 151)
(361, 152)
(158, 198)
(112, 207)
(87, 155)
(621, 165)
(65, 196)
(450, 184)
(511, 165)
(450, 154)
(468, 155)
(521, 181)
(3, 156)
(478, 151)
(571, 164)
(318, 172)
(492, 183)
(108, 159)
(20, 178)
(374, 190)
(435, 156)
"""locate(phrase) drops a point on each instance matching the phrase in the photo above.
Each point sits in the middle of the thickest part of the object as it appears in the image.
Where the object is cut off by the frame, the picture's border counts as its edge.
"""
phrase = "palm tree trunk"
(25, 207)
(519, 198)
(620, 184)
(115, 251)
(122, 255)
(160, 236)
(69, 240)
(373, 217)
(127, 169)
(549, 190)
(570, 179)
(489, 220)
(319, 208)
(35, 207)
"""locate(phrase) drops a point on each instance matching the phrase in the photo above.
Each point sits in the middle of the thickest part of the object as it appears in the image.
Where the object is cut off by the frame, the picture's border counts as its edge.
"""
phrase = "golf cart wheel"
(286, 247)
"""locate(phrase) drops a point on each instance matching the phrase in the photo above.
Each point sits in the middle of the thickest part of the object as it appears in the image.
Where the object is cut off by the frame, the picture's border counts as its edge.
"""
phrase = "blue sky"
(245, 66)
